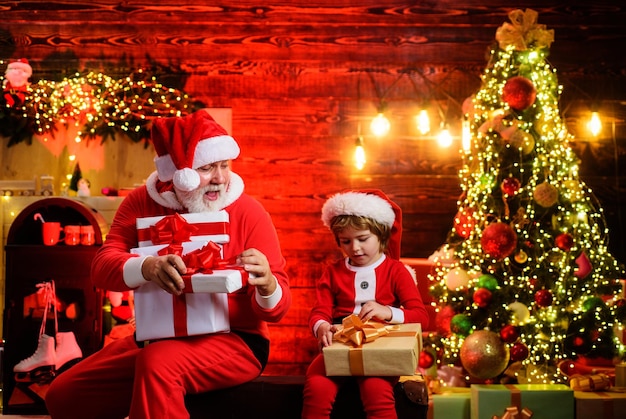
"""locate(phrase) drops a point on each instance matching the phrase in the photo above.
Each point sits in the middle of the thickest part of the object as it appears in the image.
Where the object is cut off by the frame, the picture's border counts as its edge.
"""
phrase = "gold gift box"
(395, 353)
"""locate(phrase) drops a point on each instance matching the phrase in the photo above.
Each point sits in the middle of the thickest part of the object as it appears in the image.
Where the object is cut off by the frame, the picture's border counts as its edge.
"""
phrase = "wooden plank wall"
(301, 76)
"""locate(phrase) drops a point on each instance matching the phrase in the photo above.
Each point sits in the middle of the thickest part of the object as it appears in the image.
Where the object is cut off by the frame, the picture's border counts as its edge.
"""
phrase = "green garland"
(101, 106)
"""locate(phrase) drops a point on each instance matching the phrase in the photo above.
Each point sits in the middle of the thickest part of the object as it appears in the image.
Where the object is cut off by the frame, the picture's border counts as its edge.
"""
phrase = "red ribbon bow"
(172, 229)
(202, 260)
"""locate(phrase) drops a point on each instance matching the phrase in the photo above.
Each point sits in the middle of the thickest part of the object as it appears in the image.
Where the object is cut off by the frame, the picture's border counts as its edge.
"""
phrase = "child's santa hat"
(370, 203)
(21, 64)
(185, 143)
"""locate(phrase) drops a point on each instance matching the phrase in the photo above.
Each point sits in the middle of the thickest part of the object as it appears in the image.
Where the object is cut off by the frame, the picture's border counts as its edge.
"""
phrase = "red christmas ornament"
(543, 298)
(519, 352)
(464, 222)
(519, 92)
(498, 240)
(443, 318)
(509, 333)
(564, 241)
(482, 297)
(426, 360)
(579, 342)
(583, 266)
(510, 186)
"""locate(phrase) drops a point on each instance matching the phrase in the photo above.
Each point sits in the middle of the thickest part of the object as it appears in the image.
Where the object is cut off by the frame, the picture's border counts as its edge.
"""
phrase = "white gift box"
(220, 281)
(208, 226)
(159, 314)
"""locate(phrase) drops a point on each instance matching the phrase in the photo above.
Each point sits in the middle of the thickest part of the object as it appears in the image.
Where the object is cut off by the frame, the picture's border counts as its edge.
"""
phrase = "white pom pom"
(186, 179)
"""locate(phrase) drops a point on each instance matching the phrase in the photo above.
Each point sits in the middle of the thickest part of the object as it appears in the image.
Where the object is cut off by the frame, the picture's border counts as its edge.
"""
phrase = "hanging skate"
(53, 354)
(40, 366)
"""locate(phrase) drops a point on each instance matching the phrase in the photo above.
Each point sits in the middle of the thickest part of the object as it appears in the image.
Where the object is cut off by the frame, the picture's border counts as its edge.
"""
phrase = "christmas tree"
(527, 281)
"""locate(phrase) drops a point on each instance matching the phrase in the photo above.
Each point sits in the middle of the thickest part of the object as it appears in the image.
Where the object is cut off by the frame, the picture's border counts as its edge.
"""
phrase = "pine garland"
(101, 106)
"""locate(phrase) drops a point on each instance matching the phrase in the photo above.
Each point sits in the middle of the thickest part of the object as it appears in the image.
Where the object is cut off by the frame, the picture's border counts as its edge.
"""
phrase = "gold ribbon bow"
(524, 32)
(357, 332)
(512, 412)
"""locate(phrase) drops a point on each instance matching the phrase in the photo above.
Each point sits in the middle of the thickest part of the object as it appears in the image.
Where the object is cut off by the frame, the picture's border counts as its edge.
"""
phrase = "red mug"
(72, 235)
(87, 235)
(51, 233)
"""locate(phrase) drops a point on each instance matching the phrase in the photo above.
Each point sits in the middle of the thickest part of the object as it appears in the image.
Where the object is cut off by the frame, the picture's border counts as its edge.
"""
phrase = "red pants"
(123, 380)
(320, 392)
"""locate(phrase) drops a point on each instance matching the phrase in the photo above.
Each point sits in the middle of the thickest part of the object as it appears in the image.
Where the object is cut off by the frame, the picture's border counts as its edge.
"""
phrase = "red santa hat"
(21, 64)
(185, 143)
(370, 203)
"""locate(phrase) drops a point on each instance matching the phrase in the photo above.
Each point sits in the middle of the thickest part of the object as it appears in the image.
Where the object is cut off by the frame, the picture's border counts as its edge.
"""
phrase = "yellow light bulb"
(423, 122)
(359, 154)
(444, 139)
(595, 124)
(380, 125)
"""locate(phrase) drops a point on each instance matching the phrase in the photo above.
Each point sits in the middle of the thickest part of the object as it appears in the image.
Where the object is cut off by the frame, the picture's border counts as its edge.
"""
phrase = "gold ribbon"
(524, 32)
(515, 411)
(357, 332)
(594, 382)
(512, 412)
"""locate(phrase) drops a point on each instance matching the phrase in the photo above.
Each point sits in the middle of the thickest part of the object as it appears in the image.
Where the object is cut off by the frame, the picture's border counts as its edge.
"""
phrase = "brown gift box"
(393, 354)
(601, 404)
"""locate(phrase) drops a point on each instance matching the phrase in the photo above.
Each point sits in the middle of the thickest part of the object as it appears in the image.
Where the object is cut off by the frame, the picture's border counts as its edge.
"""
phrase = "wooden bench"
(279, 397)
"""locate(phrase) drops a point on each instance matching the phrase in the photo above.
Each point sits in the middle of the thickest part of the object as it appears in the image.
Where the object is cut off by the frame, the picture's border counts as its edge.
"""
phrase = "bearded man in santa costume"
(140, 380)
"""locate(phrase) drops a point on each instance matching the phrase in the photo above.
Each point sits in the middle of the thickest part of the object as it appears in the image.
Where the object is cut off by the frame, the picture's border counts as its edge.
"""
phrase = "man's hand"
(255, 263)
(165, 271)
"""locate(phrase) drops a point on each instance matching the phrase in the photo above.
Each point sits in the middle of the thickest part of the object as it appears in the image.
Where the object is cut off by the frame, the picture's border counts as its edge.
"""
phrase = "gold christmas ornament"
(484, 355)
(545, 195)
(522, 140)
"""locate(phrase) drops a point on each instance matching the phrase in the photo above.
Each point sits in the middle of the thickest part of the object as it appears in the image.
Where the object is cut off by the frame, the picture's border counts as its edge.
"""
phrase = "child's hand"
(372, 309)
(325, 334)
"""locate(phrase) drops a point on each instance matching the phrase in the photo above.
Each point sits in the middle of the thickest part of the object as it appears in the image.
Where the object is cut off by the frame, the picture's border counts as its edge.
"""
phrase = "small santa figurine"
(15, 82)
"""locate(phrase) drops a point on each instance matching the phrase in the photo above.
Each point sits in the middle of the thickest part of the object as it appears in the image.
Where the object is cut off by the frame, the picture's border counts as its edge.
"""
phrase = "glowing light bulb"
(595, 124)
(359, 154)
(380, 125)
(444, 139)
(423, 122)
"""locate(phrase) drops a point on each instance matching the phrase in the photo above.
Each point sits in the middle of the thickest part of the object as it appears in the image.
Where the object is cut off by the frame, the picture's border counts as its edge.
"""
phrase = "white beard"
(194, 200)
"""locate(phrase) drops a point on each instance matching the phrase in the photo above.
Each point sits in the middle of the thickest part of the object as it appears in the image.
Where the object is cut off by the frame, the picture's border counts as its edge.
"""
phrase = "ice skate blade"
(39, 375)
(67, 365)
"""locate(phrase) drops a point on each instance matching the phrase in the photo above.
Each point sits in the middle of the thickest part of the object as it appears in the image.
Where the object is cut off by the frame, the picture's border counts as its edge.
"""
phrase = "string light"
(444, 139)
(422, 121)
(595, 124)
(359, 154)
(101, 105)
(380, 125)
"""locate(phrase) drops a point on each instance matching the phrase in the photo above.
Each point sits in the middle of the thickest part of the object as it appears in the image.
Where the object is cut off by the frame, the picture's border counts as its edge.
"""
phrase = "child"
(370, 282)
